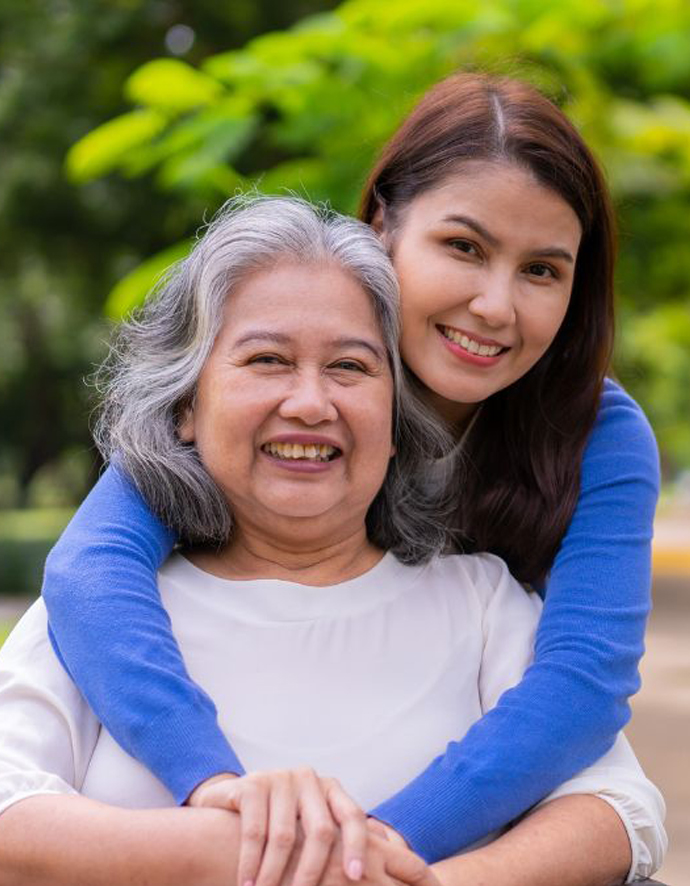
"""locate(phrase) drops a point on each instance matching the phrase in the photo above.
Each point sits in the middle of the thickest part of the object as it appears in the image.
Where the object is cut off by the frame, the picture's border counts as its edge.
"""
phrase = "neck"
(457, 416)
(252, 554)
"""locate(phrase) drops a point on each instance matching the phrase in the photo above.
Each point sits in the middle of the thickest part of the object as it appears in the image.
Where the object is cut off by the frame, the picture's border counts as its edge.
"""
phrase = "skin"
(307, 372)
(489, 252)
(152, 847)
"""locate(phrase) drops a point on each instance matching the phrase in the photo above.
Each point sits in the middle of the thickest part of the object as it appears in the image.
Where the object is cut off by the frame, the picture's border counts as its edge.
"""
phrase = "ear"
(382, 230)
(185, 426)
(377, 221)
(394, 450)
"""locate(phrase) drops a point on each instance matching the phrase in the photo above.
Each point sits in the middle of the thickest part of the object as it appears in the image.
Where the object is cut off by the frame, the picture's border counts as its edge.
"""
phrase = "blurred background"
(123, 124)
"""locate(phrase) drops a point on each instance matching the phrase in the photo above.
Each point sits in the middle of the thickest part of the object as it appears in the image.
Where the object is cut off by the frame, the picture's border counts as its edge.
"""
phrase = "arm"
(142, 847)
(100, 581)
(573, 841)
(588, 646)
(51, 747)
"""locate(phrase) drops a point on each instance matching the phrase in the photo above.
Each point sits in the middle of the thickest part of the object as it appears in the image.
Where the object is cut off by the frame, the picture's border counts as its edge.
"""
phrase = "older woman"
(259, 404)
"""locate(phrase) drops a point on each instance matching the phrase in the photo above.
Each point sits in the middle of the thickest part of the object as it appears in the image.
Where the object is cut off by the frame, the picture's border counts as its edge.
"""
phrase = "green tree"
(308, 108)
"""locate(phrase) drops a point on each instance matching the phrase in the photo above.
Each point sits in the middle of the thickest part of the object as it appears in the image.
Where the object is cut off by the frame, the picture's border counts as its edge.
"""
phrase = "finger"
(223, 795)
(376, 827)
(353, 828)
(402, 864)
(253, 809)
(282, 830)
(381, 829)
(319, 830)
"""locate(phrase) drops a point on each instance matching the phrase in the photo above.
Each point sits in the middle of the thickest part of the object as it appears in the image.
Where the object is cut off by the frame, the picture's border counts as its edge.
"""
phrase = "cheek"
(375, 428)
(542, 327)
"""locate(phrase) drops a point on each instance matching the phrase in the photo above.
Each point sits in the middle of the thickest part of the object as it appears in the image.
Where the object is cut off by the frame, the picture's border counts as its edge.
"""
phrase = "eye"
(541, 270)
(267, 359)
(349, 365)
(466, 247)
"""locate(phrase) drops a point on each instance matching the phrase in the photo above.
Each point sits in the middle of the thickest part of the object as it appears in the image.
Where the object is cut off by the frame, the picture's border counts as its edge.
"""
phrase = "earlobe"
(382, 231)
(377, 221)
(185, 426)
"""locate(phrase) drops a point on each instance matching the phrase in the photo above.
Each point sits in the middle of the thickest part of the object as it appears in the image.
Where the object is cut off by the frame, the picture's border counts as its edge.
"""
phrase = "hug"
(324, 496)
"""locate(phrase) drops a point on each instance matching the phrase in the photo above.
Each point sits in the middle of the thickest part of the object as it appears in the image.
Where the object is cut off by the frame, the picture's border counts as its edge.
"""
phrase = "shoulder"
(621, 445)
(484, 575)
(472, 570)
(29, 667)
(621, 420)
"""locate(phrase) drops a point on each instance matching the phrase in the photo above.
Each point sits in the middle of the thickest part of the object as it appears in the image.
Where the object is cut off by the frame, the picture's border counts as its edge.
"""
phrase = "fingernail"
(248, 883)
(354, 869)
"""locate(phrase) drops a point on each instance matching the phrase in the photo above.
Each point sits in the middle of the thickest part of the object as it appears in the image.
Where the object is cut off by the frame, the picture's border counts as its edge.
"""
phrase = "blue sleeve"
(572, 701)
(113, 636)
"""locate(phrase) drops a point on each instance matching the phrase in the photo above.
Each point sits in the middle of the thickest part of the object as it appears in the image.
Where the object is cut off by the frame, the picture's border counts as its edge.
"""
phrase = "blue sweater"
(114, 638)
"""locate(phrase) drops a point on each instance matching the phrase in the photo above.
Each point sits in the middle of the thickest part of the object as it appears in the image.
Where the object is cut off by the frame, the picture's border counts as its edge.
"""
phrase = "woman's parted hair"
(157, 357)
(525, 448)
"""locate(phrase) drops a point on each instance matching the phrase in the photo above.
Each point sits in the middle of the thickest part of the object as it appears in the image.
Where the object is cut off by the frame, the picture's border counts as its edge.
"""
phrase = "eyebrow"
(474, 225)
(259, 335)
(279, 338)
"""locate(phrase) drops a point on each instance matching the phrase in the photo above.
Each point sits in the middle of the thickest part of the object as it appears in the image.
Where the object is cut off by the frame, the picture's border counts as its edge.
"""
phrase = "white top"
(366, 681)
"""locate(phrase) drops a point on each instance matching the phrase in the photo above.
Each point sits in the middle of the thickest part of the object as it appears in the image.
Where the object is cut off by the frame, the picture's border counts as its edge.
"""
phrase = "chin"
(299, 510)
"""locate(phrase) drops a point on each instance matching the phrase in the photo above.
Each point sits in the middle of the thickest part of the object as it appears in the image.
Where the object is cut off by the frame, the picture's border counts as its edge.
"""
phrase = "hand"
(376, 826)
(269, 805)
(389, 863)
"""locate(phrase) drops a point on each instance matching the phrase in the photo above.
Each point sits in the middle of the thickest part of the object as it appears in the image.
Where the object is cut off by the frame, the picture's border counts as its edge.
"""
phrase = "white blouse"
(367, 681)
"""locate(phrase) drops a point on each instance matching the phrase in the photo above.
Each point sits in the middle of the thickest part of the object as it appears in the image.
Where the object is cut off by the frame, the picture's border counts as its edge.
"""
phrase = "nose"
(309, 399)
(494, 304)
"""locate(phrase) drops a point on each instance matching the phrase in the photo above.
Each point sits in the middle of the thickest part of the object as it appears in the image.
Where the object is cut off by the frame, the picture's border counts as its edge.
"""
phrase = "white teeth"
(308, 451)
(469, 344)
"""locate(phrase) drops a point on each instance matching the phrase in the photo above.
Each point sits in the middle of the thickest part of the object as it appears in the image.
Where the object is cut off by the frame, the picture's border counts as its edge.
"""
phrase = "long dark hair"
(524, 451)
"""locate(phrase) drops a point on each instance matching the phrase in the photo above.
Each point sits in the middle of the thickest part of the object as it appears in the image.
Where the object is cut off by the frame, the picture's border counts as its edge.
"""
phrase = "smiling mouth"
(313, 452)
(470, 345)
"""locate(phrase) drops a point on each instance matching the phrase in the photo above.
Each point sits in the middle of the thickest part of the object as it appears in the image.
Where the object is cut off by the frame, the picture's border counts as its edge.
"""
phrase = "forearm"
(55, 840)
(572, 841)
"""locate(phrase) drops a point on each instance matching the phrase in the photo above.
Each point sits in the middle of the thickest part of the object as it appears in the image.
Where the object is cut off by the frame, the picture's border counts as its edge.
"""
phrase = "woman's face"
(293, 413)
(486, 263)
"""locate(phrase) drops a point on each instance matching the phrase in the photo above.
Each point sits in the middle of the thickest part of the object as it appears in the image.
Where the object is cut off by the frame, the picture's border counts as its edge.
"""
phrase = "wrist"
(194, 797)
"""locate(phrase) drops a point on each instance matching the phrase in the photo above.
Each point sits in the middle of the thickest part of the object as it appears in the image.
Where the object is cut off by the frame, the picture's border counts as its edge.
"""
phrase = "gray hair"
(157, 357)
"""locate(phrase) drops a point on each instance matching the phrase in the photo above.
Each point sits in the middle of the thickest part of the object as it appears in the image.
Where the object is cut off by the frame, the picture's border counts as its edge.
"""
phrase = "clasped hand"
(302, 829)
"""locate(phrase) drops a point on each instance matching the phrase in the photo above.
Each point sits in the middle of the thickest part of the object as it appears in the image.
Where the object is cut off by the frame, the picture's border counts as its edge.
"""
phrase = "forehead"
(304, 300)
(504, 197)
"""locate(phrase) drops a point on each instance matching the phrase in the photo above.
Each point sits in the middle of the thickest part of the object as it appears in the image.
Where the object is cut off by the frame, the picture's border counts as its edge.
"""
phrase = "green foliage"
(126, 294)
(171, 84)
(308, 108)
(25, 538)
(100, 151)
